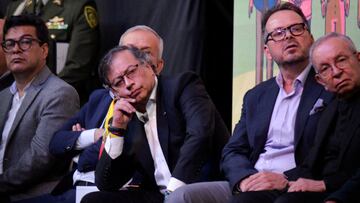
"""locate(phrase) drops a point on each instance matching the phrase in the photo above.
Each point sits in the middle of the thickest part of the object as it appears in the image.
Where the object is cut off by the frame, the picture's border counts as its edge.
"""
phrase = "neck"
(290, 72)
(23, 79)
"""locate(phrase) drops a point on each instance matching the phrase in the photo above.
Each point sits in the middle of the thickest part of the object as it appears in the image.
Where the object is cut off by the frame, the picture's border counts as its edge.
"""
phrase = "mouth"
(16, 60)
(135, 93)
(341, 84)
(290, 46)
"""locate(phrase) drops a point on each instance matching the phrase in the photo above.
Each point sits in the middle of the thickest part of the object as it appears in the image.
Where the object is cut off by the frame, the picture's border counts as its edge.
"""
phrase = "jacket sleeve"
(349, 191)
(37, 161)
(199, 115)
(236, 162)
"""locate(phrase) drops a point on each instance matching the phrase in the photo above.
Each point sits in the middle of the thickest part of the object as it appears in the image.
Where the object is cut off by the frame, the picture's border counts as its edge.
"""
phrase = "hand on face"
(264, 181)
(123, 112)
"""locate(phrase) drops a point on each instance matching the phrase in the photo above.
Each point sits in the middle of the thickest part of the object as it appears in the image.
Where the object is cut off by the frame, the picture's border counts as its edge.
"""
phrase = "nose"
(288, 34)
(16, 48)
(128, 82)
(336, 71)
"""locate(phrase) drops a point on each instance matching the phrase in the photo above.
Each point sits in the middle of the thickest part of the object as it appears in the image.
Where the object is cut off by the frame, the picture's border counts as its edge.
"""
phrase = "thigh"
(66, 197)
(301, 197)
(204, 192)
(256, 197)
(126, 196)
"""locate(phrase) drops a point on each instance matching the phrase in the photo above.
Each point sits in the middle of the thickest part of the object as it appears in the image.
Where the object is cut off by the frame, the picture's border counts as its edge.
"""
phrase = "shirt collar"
(300, 79)
(150, 105)
(13, 88)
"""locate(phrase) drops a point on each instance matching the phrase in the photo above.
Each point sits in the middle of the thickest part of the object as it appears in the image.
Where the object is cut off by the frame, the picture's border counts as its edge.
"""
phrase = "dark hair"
(42, 31)
(282, 7)
(106, 61)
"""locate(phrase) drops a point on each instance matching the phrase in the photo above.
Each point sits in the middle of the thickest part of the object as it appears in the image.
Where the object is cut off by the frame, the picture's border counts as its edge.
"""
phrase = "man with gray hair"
(145, 39)
(332, 160)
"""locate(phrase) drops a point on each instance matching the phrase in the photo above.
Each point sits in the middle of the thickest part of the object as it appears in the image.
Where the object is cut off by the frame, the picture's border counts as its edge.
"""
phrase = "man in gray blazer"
(31, 110)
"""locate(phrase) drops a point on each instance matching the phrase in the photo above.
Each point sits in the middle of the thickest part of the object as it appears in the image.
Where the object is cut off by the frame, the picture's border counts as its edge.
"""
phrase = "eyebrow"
(122, 75)
(22, 36)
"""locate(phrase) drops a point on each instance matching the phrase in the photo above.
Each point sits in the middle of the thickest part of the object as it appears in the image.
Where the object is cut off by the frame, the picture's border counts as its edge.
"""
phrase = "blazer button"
(68, 148)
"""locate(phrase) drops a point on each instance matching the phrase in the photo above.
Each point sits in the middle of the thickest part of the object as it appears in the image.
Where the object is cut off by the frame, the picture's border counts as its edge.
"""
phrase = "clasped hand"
(264, 181)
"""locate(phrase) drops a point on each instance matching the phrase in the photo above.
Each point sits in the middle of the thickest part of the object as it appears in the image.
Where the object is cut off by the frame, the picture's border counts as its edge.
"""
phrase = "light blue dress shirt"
(278, 155)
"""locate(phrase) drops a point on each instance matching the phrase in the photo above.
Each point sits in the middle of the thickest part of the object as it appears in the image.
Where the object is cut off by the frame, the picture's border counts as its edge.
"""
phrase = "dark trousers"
(66, 197)
(126, 196)
(275, 196)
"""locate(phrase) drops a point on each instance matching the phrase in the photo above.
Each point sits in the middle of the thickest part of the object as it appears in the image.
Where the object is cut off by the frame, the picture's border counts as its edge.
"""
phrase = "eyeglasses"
(130, 73)
(341, 62)
(280, 33)
(24, 43)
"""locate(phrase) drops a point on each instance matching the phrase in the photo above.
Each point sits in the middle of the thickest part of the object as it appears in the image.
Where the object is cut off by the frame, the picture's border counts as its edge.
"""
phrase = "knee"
(286, 198)
(93, 197)
(178, 196)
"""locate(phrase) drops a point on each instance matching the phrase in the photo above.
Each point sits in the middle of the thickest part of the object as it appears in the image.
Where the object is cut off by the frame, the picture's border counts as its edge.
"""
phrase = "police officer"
(73, 25)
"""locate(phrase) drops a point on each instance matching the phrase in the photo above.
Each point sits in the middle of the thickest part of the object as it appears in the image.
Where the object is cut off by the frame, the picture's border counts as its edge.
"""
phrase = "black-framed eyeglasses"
(341, 62)
(130, 73)
(280, 33)
(24, 43)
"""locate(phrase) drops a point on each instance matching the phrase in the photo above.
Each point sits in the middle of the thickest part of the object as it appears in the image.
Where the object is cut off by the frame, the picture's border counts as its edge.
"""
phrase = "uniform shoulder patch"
(91, 16)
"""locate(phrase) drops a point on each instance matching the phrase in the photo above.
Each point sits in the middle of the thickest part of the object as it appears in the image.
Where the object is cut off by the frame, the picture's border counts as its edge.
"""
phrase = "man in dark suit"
(165, 128)
(36, 105)
(334, 156)
(278, 119)
(80, 138)
(73, 25)
(5, 76)
(279, 116)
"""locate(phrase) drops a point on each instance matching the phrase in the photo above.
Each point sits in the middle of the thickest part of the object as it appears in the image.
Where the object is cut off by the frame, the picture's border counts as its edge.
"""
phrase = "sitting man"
(79, 137)
(334, 158)
(278, 119)
(36, 105)
(165, 128)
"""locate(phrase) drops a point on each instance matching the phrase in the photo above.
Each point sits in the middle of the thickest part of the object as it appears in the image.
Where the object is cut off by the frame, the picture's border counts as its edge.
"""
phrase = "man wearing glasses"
(278, 119)
(334, 157)
(31, 110)
(165, 128)
(80, 138)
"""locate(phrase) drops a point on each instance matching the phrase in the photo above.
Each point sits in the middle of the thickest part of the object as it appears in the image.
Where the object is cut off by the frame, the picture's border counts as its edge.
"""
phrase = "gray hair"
(144, 28)
(105, 63)
(328, 36)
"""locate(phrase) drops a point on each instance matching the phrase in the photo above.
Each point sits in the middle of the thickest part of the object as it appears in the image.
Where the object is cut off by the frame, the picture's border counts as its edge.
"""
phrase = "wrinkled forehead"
(141, 39)
(281, 19)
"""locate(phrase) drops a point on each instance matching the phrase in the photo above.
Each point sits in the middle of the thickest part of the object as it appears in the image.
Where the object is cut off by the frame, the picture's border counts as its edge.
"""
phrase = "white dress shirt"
(162, 174)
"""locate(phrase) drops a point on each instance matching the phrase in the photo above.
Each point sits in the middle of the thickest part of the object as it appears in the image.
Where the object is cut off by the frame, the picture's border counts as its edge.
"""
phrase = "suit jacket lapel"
(6, 98)
(162, 122)
(311, 93)
(325, 123)
(138, 140)
(31, 94)
(264, 111)
(100, 113)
